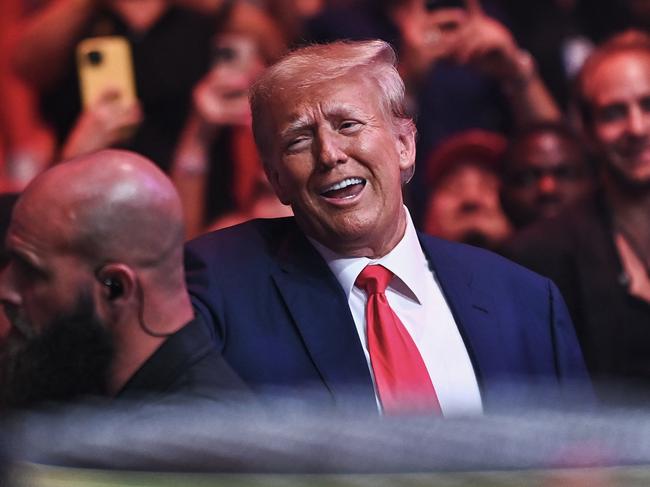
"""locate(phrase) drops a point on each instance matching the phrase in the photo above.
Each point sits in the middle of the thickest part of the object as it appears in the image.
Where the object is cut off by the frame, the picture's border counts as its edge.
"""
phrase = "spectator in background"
(545, 169)
(463, 177)
(216, 167)
(170, 43)
(95, 289)
(598, 253)
(26, 144)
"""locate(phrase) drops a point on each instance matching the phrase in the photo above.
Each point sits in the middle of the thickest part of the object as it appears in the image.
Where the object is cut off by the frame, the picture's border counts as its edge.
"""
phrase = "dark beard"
(69, 359)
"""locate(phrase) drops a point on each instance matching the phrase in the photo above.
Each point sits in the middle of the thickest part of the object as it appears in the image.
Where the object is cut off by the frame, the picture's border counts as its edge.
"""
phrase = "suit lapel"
(472, 309)
(319, 309)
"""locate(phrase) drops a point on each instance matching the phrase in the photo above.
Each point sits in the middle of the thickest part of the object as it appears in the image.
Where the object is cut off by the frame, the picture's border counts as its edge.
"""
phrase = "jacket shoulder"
(243, 240)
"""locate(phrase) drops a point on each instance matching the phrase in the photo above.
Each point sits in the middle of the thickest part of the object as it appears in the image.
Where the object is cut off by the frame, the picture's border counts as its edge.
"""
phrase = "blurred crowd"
(522, 148)
(499, 66)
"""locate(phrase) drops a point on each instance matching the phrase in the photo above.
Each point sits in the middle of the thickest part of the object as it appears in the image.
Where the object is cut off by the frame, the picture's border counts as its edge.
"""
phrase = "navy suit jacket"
(282, 319)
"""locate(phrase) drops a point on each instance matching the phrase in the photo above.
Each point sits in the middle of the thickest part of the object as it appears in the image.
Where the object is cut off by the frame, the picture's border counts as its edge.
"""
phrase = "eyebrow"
(301, 123)
(297, 124)
(25, 261)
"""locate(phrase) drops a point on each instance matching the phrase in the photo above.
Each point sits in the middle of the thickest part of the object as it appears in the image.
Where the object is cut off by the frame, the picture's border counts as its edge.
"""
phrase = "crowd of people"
(367, 135)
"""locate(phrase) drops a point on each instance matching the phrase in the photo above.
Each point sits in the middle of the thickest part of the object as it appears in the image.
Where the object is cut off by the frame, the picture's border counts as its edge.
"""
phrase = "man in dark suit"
(346, 297)
(95, 291)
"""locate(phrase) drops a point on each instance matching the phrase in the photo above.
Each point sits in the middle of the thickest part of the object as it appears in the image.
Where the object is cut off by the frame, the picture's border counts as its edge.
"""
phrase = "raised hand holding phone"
(105, 63)
(107, 122)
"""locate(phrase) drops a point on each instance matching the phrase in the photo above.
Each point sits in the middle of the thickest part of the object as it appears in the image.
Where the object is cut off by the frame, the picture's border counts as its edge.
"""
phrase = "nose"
(8, 291)
(331, 149)
(637, 121)
(547, 184)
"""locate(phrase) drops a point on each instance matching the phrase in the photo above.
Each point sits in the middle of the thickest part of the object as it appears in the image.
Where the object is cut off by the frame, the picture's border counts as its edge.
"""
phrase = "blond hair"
(321, 63)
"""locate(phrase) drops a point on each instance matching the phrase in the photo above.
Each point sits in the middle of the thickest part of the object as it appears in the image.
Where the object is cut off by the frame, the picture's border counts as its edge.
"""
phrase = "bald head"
(95, 247)
(109, 206)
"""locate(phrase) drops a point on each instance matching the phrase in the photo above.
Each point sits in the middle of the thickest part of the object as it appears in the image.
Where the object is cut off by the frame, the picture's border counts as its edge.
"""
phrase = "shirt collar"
(406, 261)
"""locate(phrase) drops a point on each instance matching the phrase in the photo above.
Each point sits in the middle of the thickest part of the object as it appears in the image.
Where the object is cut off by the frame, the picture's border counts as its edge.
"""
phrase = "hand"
(426, 37)
(108, 122)
(488, 45)
(221, 97)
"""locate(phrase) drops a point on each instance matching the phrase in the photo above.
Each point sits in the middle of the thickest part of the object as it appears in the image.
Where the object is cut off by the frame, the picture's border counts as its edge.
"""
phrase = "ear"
(273, 175)
(406, 149)
(116, 284)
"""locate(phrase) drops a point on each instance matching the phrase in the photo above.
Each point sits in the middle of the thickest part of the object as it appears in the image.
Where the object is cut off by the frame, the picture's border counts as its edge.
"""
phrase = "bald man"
(95, 288)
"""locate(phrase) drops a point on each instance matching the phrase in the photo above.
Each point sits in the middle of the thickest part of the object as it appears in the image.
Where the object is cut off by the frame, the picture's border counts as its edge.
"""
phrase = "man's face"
(41, 280)
(337, 159)
(57, 348)
(619, 90)
(465, 207)
(546, 173)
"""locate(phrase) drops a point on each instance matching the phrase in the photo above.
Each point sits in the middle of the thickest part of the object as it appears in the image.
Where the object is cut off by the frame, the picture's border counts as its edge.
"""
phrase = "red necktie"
(402, 379)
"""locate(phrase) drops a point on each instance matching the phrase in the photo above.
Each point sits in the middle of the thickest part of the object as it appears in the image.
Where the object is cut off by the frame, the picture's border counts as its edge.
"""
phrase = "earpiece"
(115, 289)
(127, 282)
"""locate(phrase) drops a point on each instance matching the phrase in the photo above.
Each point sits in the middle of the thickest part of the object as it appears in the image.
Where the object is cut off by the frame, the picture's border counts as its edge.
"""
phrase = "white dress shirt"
(416, 297)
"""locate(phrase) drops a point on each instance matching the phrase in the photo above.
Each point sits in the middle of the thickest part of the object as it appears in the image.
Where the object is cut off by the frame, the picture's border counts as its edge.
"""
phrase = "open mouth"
(345, 189)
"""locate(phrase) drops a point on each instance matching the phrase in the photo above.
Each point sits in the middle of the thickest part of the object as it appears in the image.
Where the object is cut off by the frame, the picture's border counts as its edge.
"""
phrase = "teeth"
(343, 184)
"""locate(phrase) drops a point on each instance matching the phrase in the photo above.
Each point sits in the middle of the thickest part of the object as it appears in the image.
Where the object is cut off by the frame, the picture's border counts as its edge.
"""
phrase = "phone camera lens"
(94, 57)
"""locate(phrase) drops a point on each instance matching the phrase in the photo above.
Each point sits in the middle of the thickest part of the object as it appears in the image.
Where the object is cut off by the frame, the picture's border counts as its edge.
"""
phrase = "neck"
(131, 354)
(373, 246)
(134, 343)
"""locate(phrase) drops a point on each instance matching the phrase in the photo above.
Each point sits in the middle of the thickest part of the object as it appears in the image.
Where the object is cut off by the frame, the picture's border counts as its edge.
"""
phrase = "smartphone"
(433, 5)
(103, 63)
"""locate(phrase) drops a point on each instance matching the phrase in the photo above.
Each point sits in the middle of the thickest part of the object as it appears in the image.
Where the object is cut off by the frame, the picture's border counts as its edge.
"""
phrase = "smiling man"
(599, 252)
(346, 299)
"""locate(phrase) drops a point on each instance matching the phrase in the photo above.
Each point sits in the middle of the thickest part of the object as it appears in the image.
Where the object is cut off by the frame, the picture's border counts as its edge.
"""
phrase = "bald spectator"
(599, 252)
(463, 177)
(545, 170)
(95, 288)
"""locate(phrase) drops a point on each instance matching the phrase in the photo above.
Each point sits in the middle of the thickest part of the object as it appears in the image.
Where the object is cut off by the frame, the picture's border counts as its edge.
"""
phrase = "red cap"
(474, 146)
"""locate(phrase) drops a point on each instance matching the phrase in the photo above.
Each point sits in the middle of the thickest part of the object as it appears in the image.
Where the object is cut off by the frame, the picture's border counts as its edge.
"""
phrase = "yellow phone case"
(105, 63)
